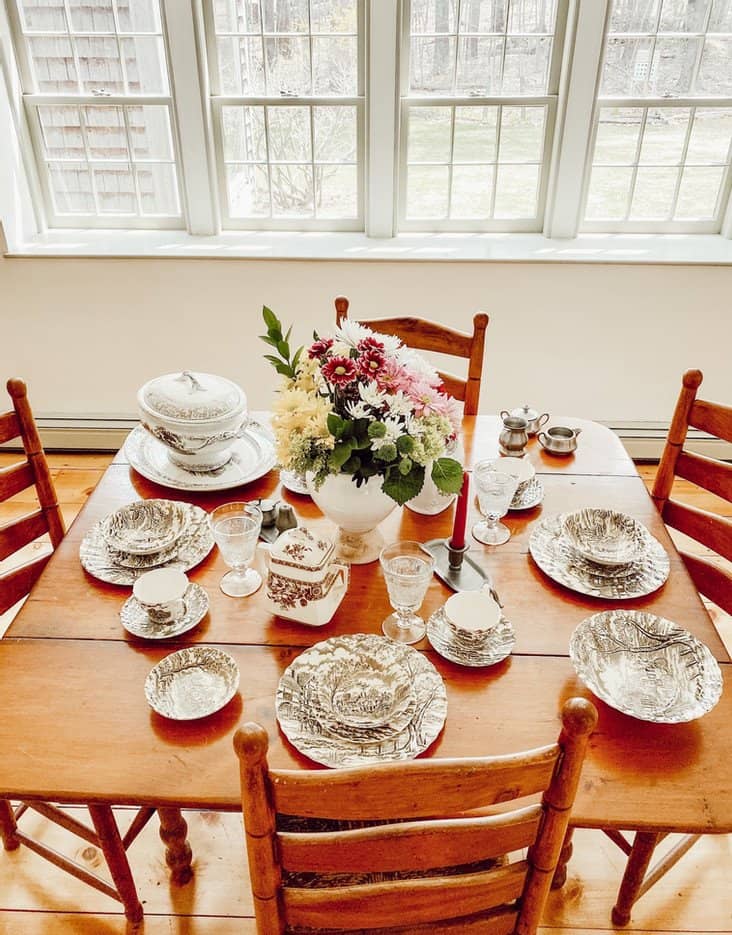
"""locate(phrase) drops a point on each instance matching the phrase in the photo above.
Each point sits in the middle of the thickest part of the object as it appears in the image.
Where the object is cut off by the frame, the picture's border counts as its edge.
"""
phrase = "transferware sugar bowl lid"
(300, 554)
(192, 397)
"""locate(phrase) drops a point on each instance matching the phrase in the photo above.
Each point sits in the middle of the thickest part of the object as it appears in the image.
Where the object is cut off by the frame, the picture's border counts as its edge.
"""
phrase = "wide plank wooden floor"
(38, 899)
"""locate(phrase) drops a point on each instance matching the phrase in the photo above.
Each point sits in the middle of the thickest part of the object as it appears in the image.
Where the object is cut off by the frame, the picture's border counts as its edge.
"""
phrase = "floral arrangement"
(364, 404)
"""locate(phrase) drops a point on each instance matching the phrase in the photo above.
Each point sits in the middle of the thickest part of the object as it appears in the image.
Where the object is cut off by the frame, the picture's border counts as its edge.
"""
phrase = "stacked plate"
(143, 535)
(600, 552)
(361, 699)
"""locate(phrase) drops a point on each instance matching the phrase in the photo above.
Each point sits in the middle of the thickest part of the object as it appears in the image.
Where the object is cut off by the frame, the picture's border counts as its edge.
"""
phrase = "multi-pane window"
(478, 111)
(664, 117)
(288, 111)
(99, 109)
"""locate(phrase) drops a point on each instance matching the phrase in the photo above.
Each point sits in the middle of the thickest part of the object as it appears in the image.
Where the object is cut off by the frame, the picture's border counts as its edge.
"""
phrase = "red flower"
(340, 371)
(370, 363)
(320, 348)
(370, 344)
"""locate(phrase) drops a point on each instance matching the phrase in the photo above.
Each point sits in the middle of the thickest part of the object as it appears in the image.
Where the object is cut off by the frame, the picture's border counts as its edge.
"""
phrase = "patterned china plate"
(253, 455)
(191, 548)
(136, 621)
(495, 647)
(192, 683)
(646, 666)
(555, 556)
(529, 497)
(324, 735)
(605, 537)
(144, 527)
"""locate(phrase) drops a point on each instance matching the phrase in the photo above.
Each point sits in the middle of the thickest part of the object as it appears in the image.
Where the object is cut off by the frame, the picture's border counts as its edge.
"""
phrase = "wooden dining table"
(77, 727)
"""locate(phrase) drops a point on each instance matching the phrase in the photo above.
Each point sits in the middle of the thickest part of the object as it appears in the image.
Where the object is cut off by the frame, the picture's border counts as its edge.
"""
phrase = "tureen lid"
(298, 549)
(191, 396)
(526, 412)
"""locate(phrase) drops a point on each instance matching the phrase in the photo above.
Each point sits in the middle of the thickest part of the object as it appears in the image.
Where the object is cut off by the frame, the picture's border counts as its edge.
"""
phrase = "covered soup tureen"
(197, 416)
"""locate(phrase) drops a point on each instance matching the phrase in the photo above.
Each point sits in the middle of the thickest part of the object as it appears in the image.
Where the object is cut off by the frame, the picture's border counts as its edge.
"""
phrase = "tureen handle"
(195, 386)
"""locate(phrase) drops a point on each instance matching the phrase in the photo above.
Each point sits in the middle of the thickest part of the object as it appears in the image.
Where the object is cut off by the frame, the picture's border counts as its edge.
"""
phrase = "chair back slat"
(713, 418)
(9, 427)
(15, 478)
(710, 530)
(425, 335)
(713, 582)
(424, 845)
(22, 532)
(391, 791)
(387, 904)
(714, 476)
(17, 583)
(427, 855)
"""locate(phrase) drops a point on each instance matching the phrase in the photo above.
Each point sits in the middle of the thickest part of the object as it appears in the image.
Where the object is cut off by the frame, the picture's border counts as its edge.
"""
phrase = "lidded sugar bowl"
(197, 416)
(305, 582)
(534, 421)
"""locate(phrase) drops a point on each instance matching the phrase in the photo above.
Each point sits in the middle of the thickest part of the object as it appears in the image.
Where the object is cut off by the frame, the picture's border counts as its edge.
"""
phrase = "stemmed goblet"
(407, 568)
(235, 528)
(495, 491)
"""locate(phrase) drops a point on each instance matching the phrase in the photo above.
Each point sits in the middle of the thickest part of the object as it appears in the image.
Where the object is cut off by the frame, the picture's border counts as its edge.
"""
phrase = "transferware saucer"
(136, 621)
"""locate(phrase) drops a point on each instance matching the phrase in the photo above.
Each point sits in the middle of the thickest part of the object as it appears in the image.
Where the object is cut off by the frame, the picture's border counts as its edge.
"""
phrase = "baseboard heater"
(643, 440)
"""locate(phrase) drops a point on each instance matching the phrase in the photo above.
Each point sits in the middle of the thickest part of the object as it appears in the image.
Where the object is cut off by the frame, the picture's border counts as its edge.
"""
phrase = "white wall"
(604, 342)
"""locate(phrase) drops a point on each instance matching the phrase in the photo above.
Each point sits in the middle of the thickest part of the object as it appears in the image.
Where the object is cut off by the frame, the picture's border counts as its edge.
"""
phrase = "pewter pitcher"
(513, 438)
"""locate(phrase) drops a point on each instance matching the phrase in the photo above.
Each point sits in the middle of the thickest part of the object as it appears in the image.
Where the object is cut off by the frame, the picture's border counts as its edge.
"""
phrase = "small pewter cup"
(559, 439)
(513, 438)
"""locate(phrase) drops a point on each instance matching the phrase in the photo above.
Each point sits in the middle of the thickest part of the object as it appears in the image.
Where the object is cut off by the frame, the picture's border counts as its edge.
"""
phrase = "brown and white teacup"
(161, 593)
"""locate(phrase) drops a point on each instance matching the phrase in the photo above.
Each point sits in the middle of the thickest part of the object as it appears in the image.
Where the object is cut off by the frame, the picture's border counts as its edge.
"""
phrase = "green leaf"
(340, 454)
(270, 319)
(403, 487)
(405, 444)
(296, 358)
(283, 369)
(267, 340)
(336, 425)
(352, 465)
(405, 466)
(275, 361)
(447, 474)
(284, 349)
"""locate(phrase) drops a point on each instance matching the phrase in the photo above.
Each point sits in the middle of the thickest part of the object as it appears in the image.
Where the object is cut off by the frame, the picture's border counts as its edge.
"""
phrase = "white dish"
(192, 683)
(493, 648)
(253, 455)
(137, 622)
(605, 537)
(528, 495)
(145, 526)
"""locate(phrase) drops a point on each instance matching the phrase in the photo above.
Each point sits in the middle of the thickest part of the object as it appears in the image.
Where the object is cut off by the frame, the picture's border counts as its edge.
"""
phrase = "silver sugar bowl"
(534, 421)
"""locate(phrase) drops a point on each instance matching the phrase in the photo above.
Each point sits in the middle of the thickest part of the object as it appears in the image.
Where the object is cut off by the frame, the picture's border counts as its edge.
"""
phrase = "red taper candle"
(457, 540)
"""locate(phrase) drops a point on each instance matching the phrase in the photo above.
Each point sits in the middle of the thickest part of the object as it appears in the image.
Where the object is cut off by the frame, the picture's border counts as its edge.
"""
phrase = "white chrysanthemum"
(394, 428)
(400, 404)
(371, 394)
(417, 365)
(391, 343)
(358, 410)
(351, 332)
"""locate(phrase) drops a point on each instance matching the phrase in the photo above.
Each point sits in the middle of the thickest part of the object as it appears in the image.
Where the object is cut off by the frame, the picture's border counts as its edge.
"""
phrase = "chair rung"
(142, 817)
(63, 863)
(66, 821)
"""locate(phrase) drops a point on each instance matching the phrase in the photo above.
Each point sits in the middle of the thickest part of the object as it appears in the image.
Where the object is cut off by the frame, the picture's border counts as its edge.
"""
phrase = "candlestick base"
(455, 568)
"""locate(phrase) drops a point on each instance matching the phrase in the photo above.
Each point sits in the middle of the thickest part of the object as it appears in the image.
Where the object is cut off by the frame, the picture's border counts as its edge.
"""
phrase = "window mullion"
(196, 150)
(382, 114)
(574, 124)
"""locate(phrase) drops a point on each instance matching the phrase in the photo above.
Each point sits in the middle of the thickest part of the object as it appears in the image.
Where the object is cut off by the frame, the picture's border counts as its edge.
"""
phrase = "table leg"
(8, 828)
(635, 870)
(116, 857)
(560, 874)
(178, 854)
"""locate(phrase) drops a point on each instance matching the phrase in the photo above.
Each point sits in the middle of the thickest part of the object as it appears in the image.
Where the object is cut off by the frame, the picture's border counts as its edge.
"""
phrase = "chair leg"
(644, 845)
(110, 842)
(8, 828)
(560, 874)
(173, 831)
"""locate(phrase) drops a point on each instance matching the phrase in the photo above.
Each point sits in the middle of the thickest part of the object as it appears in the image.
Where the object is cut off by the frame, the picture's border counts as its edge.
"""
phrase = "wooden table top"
(77, 726)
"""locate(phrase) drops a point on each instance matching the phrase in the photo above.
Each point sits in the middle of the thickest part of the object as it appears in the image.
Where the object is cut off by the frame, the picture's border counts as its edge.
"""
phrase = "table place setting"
(601, 553)
(164, 604)
(646, 666)
(471, 630)
(169, 533)
(359, 699)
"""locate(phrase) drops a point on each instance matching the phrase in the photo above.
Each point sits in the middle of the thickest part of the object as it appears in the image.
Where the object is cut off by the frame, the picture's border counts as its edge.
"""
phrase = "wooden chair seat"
(15, 583)
(711, 575)
(426, 335)
(441, 858)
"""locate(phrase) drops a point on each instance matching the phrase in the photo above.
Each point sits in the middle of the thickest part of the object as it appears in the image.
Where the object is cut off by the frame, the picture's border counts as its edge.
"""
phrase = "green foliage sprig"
(285, 365)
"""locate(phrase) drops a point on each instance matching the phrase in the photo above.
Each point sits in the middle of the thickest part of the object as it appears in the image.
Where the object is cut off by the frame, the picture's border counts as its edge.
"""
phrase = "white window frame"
(567, 154)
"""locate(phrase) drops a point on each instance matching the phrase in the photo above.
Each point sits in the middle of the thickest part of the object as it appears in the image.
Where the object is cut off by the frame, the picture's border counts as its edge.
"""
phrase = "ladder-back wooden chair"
(32, 471)
(444, 884)
(711, 578)
(425, 335)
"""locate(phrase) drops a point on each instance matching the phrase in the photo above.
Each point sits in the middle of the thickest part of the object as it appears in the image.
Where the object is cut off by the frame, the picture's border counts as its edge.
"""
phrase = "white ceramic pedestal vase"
(356, 511)
(430, 501)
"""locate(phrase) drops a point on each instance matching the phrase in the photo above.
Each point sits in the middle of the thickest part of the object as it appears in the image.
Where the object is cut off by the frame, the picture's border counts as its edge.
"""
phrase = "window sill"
(704, 249)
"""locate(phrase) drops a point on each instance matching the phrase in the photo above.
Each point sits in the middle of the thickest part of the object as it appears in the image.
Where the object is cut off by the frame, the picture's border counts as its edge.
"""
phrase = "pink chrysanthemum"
(370, 344)
(370, 363)
(340, 371)
(393, 377)
(427, 400)
(320, 348)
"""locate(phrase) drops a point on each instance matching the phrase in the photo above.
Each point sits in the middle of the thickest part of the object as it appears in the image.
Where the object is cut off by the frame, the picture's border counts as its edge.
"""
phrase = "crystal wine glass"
(235, 528)
(495, 491)
(407, 568)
